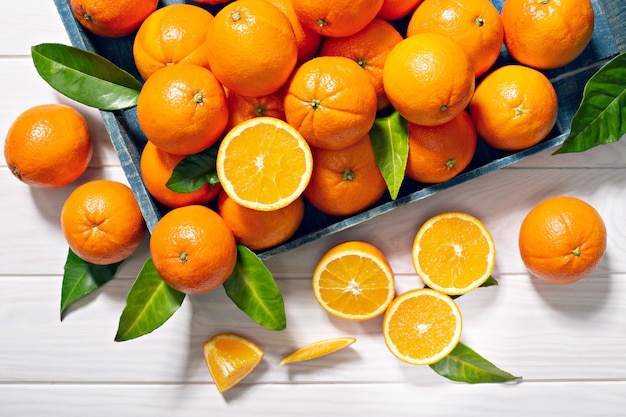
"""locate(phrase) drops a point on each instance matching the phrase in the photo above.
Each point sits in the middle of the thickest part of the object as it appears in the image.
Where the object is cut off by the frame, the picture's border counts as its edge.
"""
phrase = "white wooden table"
(567, 342)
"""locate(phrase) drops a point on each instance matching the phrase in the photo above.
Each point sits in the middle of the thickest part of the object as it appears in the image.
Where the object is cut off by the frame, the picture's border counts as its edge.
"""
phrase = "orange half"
(318, 349)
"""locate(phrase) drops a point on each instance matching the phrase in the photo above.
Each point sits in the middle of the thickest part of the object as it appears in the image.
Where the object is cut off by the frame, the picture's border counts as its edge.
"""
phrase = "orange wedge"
(230, 358)
(318, 349)
(264, 163)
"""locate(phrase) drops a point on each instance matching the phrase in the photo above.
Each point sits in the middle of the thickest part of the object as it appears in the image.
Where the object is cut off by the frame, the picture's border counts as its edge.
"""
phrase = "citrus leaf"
(601, 116)
(252, 288)
(85, 77)
(489, 282)
(465, 365)
(81, 278)
(194, 171)
(149, 303)
(390, 140)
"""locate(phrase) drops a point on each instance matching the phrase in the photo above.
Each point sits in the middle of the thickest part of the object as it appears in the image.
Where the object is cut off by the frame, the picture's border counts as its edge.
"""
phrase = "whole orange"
(193, 250)
(48, 146)
(182, 109)
(562, 239)
(102, 222)
(113, 18)
(242, 108)
(338, 17)
(396, 9)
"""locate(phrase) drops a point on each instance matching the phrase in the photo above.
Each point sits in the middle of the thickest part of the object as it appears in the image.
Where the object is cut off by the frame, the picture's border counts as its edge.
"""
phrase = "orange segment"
(230, 358)
(264, 164)
(422, 326)
(453, 253)
(318, 349)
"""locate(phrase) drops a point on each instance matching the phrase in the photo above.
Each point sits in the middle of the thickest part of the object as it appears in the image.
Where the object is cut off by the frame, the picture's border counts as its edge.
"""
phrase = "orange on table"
(241, 108)
(474, 24)
(439, 153)
(562, 239)
(182, 109)
(253, 47)
(428, 78)
(514, 107)
(264, 163)
(396, 9)
(345, 181)
(369, 48)
(102, 222)
(193, 250)
(331, 101)
(113, 18)
(354, 281)
(317, 349)
(230, 358)
(336, 18)
(48, 146)
(422, 326)
(176, 33)
(454, 253)
(547, 34)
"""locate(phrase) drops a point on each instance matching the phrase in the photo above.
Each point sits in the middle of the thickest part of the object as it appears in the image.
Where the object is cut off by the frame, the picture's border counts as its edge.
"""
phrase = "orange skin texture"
(242, 108)
(336, 18)
(396, 9)
(114, 18)
(562, 240)
(48, 146)
(548, 34)
(102, 222)
(514, 107)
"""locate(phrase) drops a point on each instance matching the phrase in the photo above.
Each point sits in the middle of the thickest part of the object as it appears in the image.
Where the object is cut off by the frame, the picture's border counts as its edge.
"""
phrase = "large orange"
(48, 146)
(241, 108)
(396, 9)
(113, 18)
(338, 17)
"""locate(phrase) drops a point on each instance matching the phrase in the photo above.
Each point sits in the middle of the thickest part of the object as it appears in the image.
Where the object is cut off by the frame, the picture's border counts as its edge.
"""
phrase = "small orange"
(396, 9)
(318, 349)
(514, 107)
(562, 240)
(241, 108)
(102, 222)
(113, 18)
(336, 18)
(48, 146)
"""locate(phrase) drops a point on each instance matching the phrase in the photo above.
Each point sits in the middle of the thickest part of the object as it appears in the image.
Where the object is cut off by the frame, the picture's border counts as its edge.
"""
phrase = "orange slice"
(230, 358)
(422, 326)
(264, 163)
(453, 253)
(318, 349)
(354, 281)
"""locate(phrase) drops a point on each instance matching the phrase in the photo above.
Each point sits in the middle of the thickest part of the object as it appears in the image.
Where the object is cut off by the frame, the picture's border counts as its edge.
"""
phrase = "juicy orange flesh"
(229, 361)
(318, 349)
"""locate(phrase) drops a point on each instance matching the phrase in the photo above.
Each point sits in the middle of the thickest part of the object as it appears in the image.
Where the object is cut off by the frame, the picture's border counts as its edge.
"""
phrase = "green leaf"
(85, 77)
(81, 278)
(194, 171)
(489, 282)
(252, 288)
(390, 140)
(465, 365)
(149, 303)
(601, 116)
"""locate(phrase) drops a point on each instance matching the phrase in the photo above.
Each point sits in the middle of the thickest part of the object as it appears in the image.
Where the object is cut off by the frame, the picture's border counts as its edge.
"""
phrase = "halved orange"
(264, 163)
(230, 358)
(454, 253)
(318, 349)
(354, 281)
(422, 326)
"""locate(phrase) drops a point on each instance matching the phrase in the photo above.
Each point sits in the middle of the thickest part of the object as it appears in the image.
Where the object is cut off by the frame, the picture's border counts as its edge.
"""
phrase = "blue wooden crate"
(609, 39)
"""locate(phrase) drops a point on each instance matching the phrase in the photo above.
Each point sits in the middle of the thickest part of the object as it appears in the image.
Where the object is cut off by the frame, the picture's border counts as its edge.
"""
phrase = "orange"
(173, 34)
(102, 222)
(453, 253)
(318, 349)
(230, 358)
(192, 249)
(114, 18)
(428, 78)
(354, 281)
(439, 153)
(253, 47)
(474, 24)
(264, 164)
(345, 181)
(396, 9)
(514, 107)
(331, 101)
(562, 239)
(369, 48)
(182, 109)
(48, 146)
(257, 229)
(549, 33)
(422, 326)
(242, 108)
(336, 18)
(156, 169)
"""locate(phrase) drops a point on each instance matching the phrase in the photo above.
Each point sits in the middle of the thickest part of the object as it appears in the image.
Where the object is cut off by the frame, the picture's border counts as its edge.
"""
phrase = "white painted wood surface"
(567, 342)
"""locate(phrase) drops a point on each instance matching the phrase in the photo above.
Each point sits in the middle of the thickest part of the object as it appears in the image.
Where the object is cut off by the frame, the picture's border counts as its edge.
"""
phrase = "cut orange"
(230, 358)
(453, 253)
(422, 326)
(264, 163)
(318, 349)
(354, 281)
